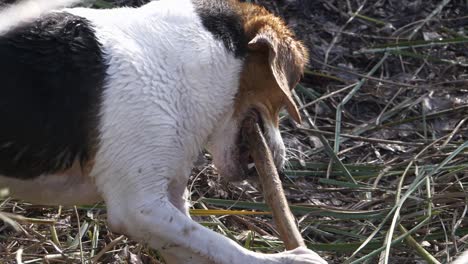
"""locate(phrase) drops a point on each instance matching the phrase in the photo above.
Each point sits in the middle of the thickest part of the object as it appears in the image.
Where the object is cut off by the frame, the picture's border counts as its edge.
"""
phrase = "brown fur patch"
(273, 66)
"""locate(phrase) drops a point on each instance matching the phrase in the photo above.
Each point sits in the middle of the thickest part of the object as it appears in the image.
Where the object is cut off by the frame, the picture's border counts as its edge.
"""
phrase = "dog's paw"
(301, 255)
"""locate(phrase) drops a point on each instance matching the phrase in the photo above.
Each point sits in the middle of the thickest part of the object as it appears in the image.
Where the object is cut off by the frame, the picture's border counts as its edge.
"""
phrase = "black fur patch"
(221, 19)
(51, 82)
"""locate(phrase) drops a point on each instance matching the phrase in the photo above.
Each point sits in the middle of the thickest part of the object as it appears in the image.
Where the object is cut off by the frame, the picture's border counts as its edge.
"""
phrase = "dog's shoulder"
(224, 20)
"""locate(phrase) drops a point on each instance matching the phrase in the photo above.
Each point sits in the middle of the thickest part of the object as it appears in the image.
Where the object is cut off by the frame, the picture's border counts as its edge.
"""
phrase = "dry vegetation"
(377, 171)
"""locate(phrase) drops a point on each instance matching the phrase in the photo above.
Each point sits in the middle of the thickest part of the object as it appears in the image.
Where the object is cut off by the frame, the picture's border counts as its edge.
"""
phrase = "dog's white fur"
(160, 108)
(462, 259)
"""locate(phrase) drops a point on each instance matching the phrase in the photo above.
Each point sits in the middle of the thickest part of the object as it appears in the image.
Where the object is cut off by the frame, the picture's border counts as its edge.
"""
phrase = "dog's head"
(272, 68)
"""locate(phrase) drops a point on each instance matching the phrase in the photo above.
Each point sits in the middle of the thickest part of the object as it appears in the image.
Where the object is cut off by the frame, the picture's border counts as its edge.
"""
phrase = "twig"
(359, 138)
(107, 248)
(428, 116)
(326, 145)
(22, 219)
(365, 76)
(348, 97)
(271, 183)
(79, 234)
(455, 130)
(414, 244)
(335, 38)
(327, 96)
(19, 255)
(412, 44)
(429, 17)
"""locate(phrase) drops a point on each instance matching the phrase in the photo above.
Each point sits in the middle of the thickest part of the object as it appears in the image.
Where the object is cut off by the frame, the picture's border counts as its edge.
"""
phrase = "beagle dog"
(114, 105)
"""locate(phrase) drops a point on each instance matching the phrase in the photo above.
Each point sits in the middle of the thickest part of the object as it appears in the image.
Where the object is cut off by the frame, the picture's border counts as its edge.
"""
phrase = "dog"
(114, 105)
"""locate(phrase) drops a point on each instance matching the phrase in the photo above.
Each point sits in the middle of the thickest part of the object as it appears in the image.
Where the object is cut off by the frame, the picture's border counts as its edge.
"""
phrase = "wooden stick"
(271, 183)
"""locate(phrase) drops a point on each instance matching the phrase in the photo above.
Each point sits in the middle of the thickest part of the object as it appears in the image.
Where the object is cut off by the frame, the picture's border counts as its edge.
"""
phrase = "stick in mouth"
(271, 183)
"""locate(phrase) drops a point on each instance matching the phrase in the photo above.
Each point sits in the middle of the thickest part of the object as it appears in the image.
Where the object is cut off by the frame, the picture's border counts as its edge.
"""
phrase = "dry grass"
(377, 171)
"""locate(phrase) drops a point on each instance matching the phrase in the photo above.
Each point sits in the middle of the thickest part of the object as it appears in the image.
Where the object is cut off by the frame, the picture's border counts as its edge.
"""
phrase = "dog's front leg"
(152, 218)
(143, 211)
(178, 196)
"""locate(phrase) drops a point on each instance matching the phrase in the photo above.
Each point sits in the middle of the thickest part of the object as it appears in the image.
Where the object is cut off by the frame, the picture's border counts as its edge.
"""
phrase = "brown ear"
(283, 64)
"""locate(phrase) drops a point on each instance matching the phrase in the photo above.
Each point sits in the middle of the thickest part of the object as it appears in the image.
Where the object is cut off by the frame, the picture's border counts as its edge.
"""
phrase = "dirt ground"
(381, 157)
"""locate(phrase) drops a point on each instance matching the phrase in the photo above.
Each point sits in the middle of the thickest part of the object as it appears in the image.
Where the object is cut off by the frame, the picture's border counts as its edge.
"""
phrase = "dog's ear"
(286, 59)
